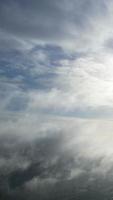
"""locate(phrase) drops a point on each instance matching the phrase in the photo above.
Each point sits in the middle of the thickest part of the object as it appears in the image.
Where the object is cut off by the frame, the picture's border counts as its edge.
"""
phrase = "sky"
(56, 99)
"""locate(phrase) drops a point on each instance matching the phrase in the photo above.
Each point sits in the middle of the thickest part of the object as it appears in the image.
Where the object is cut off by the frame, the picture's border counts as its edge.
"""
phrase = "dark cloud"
(49, 21)
(48, 174)
(31, 19)
(19, 177)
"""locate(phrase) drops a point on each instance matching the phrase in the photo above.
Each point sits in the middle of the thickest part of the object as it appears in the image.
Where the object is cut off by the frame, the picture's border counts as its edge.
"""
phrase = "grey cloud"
(109, 44)
(51, 21)
(43, 155)
(31, 20)
(62, 156)
(35, 180)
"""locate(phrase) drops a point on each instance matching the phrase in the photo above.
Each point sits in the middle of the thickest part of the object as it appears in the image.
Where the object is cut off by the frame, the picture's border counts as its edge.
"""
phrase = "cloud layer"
(56, 99)
(39, 155)
(58, 51)
(75, 24)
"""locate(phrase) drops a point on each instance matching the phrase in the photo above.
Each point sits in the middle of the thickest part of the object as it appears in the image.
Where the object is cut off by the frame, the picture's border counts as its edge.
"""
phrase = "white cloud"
(84, 83)
(91, 140)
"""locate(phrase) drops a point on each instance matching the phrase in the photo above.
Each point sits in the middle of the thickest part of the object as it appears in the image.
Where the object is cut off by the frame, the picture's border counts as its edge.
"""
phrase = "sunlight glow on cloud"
(56, 99)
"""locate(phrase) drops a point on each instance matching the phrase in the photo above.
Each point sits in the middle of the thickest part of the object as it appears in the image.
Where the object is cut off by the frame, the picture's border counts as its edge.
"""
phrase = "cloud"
(56, 89)
(79, 85)
(72, 24)
(95, 136)
(60, 151)
(51, 78)
(39, 150)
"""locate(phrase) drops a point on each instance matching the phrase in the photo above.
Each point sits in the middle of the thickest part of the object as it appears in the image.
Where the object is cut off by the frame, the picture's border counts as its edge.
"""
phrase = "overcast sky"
(56, 87)
(56, 57)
